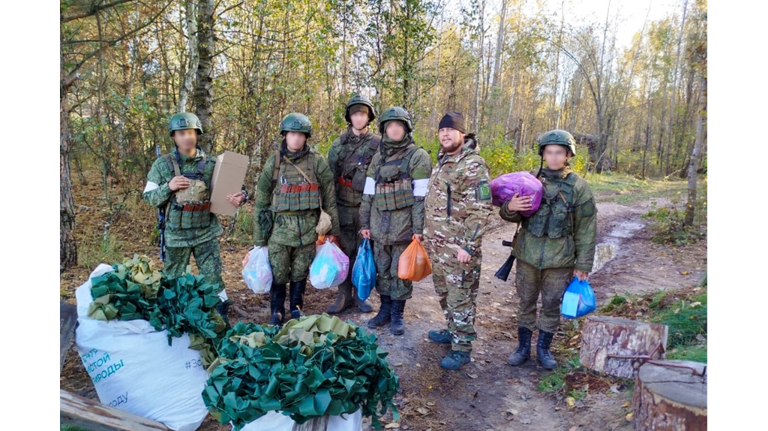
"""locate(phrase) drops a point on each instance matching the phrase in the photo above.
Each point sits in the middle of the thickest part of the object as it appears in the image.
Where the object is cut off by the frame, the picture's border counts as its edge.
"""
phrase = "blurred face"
(555, 156)
(451, 140)
(359, 120)
(395, 130)
(295, 141)
(186, 140)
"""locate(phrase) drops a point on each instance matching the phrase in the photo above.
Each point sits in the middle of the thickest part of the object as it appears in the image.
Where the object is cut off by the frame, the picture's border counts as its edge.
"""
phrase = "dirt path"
(487, 393)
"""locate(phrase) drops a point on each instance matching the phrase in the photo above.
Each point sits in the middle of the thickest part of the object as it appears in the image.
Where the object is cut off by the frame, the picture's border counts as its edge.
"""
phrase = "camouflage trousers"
(350, 239)
(207, 256)
(550, 284)
(290, 263)
(457, 286)
(387, 281)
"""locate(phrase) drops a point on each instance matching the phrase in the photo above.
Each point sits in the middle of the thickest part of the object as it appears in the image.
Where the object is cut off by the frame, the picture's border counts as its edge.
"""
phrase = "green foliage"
(686, 320)
(614, 303)
(92, 252)
(554, 382)
(667, 227)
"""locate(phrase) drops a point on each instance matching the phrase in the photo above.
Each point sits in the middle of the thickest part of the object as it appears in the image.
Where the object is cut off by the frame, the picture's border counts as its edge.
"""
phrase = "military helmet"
(395, 113)
(295, 122)
(184, 121)
(557, 137)
(359, 99)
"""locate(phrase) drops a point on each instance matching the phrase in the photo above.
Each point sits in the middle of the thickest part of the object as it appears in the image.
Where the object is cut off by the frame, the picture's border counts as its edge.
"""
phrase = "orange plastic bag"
(414, 263)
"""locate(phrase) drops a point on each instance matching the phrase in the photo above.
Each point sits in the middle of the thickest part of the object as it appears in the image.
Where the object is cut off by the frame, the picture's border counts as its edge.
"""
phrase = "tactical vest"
(351, 181)
(189, 208)
(554, 218)
(394, 190)
(294, 192)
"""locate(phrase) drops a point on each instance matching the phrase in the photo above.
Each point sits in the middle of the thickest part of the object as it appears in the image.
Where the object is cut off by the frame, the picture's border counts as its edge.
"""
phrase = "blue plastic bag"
(578, 299)
(364, 271)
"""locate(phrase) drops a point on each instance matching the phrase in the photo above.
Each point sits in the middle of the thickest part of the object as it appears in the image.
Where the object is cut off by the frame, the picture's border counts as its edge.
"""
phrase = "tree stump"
(315, 424)
(671, 396)
(615, 346)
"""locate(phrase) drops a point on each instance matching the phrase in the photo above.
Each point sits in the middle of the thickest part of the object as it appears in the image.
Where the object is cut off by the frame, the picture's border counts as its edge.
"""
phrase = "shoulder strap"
(301, 171)
(399, 154)
(374, 143)
(172, 165)
(350, 155)
(276, 167)
(201, 167)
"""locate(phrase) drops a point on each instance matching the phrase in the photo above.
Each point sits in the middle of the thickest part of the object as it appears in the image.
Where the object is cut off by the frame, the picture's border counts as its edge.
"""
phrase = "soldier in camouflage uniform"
(294, 184)
(180, 183)
(457, 209)
(392, 211)
(350, 155)
(553, 245)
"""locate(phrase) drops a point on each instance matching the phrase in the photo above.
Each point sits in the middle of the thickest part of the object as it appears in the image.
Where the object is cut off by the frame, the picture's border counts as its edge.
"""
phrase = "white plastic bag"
(330, 266)
(275, 421)
(134, 369)
(258, 272)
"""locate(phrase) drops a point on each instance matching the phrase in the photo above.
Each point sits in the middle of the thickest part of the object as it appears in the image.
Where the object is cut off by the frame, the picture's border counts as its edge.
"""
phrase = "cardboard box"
(227, 179)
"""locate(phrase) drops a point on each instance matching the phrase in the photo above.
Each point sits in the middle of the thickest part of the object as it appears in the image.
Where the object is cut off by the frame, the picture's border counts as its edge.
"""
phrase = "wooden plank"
(68, 321)
(94, 416)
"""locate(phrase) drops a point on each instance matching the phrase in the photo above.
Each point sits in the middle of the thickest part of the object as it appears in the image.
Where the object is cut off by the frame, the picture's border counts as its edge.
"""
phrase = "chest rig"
(394, 190)
(296, 186)
(189, 208)
(353, 167)
(554, 218)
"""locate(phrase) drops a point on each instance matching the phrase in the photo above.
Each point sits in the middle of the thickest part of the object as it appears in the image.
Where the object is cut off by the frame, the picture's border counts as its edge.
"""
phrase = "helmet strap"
(541, 166)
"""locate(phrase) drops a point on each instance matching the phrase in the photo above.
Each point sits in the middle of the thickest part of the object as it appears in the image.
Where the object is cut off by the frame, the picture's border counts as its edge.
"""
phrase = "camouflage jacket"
(295, 229)
(458, 203)
(157, 193)
(396, 226)
(576, 249)
(350, 169)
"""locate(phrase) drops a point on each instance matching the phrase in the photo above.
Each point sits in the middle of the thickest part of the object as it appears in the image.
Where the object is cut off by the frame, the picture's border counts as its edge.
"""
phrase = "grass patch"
(626, 189)
(555, 381)
(686, 320)
(691, 353)
(615, 303)
(92, 252)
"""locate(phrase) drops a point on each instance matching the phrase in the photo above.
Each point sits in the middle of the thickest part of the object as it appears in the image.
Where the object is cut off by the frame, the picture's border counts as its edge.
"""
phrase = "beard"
(453, 146)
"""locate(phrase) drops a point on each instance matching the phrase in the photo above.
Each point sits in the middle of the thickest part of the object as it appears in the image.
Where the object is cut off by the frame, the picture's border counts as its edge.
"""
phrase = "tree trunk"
(187, 85)
(67, 244)
(671, 396)
(611, 345)
(315, 424)
(481, 37)
(692, 167)
(203, 95)
(499, 44)
(674, 86)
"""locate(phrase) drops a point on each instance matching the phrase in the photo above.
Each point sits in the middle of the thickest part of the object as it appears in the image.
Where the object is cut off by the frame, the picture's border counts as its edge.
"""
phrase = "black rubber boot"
(542, 350)
(343, 299)
(523, 352)
(397, 327)
(277, 304)
(383, 317)
(222, 309)
(297, 298)
(364, 306)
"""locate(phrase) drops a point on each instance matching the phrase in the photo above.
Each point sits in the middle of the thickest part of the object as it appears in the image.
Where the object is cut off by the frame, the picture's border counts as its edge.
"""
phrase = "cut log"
(616, 346)
(67, 322)
(94, 416)
(671, 396)
(314, 424)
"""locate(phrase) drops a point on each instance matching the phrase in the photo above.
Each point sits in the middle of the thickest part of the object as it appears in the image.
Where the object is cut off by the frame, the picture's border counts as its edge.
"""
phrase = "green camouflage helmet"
(295, 122)
(557, 137)
(184, 121)
(359, 99)
(395, 113)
